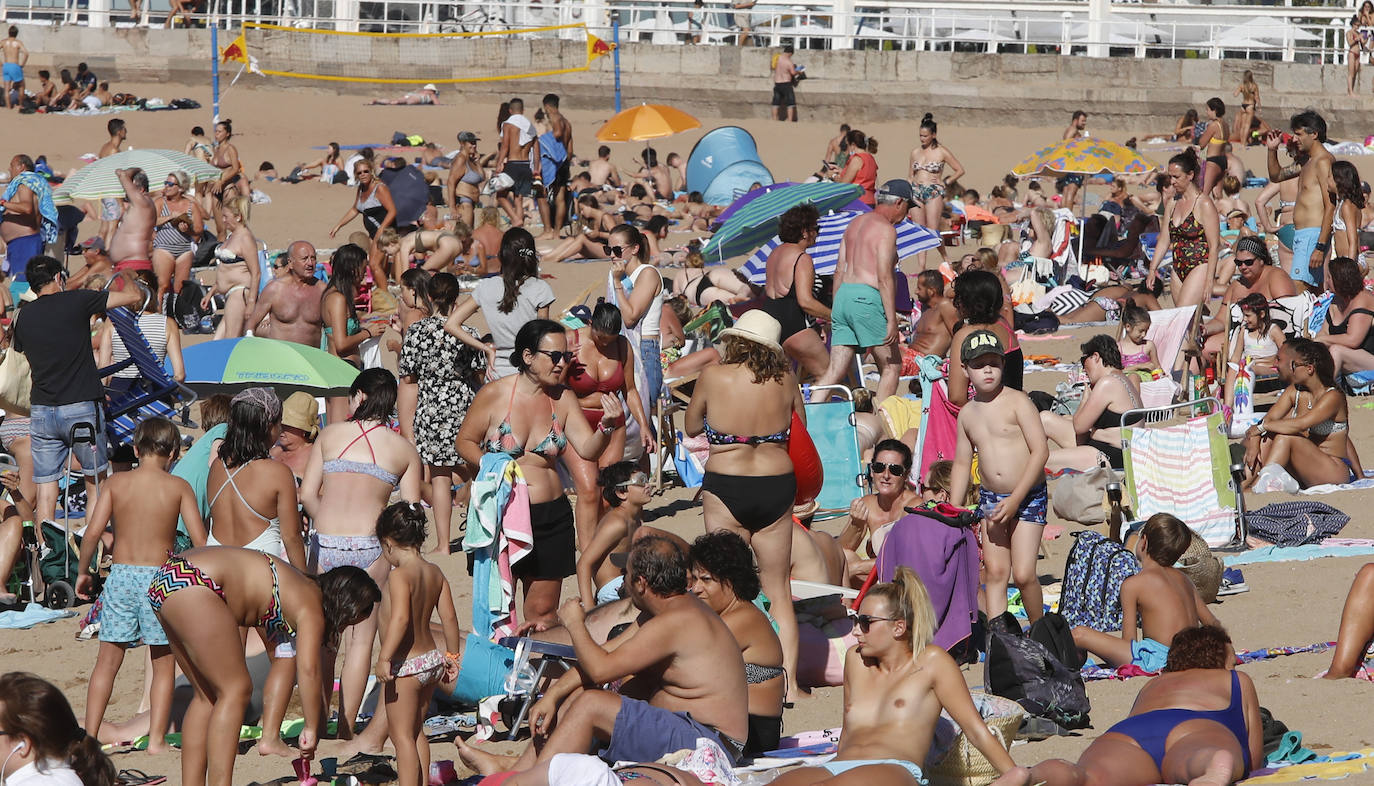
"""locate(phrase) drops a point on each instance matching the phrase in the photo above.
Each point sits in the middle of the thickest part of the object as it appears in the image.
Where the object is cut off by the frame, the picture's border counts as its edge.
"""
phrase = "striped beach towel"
(1162, 474)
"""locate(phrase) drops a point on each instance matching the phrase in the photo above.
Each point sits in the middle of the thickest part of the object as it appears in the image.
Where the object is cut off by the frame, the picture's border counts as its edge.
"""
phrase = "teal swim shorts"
(858, 318)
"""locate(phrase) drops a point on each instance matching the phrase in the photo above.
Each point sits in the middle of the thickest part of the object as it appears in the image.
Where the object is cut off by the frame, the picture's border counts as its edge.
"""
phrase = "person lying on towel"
(1165, 599)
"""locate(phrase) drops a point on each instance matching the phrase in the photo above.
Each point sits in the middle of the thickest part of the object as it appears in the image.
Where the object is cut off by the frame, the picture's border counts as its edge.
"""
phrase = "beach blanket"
(1305, 553)
(1162, 467)
(1094, 672)
(946, 559)
(1168, 327)
(30, 615)
(1327, 488)
(1338, 768)
(1296, 523)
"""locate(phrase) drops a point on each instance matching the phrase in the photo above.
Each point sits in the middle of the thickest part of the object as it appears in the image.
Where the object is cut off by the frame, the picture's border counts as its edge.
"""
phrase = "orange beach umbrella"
(646, 121)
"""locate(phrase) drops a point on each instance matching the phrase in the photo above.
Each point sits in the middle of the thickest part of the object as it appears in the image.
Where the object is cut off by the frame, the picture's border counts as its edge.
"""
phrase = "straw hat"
(758, 327)
(300, 410)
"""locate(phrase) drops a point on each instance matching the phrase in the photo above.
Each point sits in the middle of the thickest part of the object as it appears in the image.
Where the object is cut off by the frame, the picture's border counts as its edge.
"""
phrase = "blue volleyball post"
(615, 54)
(214, 65)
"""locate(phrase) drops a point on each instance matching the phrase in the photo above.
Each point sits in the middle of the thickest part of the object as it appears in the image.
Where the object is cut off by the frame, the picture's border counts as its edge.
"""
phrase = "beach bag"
(186, 309)
(1079, 497)
(1054, 633)
(16, 383)
(689, 470)
(1093, 574)
(1024, 670)
(1202, 568)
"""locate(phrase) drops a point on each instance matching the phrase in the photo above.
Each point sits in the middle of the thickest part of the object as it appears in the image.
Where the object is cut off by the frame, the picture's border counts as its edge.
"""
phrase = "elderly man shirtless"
(682, 658)
(864, 316)
(895, 684)
(291, 302)
(131, 248)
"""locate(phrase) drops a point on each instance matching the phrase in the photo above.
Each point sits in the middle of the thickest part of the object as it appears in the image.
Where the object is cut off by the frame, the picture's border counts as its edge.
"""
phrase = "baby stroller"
(47, 573)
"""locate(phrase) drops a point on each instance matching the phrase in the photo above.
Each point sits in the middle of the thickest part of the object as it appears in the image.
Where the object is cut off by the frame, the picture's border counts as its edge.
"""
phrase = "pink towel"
(941, 427)
(516, 541)
(1168, 327)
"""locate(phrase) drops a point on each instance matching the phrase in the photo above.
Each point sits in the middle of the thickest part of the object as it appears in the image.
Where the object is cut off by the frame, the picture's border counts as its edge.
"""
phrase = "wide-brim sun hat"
(758, 327)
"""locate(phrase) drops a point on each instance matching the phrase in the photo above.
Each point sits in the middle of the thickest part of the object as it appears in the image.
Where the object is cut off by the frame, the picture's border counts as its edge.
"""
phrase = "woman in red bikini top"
(603, 363)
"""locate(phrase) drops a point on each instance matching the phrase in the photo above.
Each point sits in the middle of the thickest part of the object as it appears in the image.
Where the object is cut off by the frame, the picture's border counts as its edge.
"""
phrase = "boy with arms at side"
(1165, 598)
(144, 504)
(1003, 426)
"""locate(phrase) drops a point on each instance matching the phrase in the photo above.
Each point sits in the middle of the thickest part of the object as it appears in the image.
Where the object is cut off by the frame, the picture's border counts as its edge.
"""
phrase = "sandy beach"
(1288, 604)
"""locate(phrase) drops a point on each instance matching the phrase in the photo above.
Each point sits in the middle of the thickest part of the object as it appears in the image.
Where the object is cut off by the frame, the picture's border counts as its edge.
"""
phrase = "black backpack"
(1025, 670)
(186, 308)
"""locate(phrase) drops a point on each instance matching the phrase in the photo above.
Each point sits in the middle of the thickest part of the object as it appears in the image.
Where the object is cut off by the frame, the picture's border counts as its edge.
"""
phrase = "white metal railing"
(1092, 27)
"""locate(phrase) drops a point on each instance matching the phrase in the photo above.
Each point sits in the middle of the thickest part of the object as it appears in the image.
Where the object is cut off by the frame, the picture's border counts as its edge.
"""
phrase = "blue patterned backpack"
(1093, 575)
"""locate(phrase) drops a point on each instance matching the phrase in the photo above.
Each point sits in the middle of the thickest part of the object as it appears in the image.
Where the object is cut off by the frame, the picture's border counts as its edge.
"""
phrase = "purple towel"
(946, 559)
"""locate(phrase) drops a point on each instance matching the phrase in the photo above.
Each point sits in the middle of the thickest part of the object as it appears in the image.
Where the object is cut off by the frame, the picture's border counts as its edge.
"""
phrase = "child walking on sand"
(144, 504)
(626, 490)
(1003, 426)
(1137, 352)
(410, 664)
(1165, 598)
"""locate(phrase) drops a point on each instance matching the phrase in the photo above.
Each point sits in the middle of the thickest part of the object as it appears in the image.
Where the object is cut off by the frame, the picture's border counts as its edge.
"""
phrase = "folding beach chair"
(1164, 451)
(153, 394)
(831, 426)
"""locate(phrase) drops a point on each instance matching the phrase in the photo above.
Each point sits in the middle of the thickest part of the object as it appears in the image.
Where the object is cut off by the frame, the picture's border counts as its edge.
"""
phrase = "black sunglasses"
(558, 357)
(865, 621)
(613, 251)
(170, 183)
(1247, 261)
(878, 468)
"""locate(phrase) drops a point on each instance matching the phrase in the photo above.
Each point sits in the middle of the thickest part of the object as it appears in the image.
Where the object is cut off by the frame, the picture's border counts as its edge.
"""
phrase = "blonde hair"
(235, 209)
(460, 230)
(987, 259)
(183, 179)
(694, 259)
(908, 600)
(388, 237)
(490, 215)
(1046, 217)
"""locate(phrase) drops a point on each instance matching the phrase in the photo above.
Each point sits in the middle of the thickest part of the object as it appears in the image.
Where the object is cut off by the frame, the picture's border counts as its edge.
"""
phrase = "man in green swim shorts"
(864, 317)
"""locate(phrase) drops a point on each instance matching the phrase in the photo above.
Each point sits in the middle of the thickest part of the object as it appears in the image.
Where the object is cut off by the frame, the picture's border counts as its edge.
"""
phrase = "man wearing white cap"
(427, 95)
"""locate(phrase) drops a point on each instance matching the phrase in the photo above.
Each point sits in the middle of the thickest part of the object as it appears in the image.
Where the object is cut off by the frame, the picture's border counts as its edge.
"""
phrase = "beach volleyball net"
(414, 58)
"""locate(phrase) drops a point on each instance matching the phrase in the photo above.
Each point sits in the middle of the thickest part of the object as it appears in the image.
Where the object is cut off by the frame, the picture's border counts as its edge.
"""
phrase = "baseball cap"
(979, 343)
(897, 188)
(467, 136)
(96, 243)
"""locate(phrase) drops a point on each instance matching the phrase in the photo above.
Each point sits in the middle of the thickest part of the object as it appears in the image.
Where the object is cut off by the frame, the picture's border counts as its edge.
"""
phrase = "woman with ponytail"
(895, 684)
(507, 301)
(41, 744)
(203, 596)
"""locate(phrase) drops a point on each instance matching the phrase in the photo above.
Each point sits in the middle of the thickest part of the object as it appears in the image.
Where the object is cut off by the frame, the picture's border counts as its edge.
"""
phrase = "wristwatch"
(1322, 247)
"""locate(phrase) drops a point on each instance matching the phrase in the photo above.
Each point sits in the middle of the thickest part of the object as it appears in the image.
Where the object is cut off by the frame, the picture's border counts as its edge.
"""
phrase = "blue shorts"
(651, 360)
(1304, 244)
(126, 614)
(50, 430)
(20, 250)
(610, 591)
(1285, 235)
(1033, 508)
(1149, 655)
(838, 767)
(643, 732)
(13, 73)
(858, 319)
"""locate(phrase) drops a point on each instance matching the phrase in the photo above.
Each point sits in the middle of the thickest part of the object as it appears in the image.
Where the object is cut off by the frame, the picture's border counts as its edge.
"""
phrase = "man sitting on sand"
(292, 300)
(682, 657)
(895, 684)
(131, 248)
(935, 328)
(1165, 598)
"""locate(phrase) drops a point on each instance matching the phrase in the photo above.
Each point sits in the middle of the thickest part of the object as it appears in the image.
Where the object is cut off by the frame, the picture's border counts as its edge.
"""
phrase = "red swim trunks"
(133, 264)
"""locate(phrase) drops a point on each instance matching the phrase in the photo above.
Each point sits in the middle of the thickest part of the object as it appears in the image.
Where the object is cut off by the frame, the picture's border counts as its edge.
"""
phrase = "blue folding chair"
(153, 394)
(831, 426)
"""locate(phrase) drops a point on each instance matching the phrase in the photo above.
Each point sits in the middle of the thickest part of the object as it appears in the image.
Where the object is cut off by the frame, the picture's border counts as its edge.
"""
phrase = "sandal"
(132, 777)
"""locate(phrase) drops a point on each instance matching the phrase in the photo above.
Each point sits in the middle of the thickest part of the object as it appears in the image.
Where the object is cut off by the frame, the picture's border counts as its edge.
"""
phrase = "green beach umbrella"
(98, 179)
(754, 224)
(232, 364)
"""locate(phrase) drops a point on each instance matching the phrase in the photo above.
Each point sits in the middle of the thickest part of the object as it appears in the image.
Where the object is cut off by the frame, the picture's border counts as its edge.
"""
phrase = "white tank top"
(648, 325)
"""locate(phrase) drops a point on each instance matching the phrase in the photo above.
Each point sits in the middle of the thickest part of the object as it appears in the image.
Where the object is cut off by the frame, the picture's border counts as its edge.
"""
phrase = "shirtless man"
(15, 56)
(935, 329)
(291, 302)
(784, 81)
(655, 175)
(21, 223)
(895, 684)
(518, 147)
(1312, 215)
(864, 316)
(131, 248)
(1257, 273)
(677, 167)
(682, 658)
(118, 133)
(98, 263)
(46, 89)
(1078, 126)
(558, 189)
(602, 171)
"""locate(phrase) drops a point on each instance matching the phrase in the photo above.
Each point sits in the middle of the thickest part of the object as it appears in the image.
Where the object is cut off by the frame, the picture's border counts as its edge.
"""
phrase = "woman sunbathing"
(1178, 731)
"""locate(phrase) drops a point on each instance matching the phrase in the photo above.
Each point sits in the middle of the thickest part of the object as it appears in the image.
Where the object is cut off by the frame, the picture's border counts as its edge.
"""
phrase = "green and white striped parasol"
(98, 179)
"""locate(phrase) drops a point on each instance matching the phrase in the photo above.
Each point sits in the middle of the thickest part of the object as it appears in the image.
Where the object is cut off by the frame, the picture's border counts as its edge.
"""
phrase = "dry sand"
(1288, 603)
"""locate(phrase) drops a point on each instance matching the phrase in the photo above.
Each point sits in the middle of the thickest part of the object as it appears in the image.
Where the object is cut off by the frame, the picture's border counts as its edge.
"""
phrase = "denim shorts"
(50, 429)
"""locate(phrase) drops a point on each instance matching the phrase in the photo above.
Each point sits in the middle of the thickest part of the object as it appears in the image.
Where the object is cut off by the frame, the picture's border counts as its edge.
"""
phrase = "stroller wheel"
(59, 595)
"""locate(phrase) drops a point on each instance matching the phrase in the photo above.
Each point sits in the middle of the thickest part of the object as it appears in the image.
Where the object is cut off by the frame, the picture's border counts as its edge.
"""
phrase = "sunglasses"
(558, 357)
(1248, 261)
(637, 479)
(170, 184)
(865, 621)
(878, 468)
(613, 251)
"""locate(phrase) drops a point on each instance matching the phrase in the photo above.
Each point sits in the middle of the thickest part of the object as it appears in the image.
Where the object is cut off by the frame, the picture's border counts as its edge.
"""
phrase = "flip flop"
(132, 777)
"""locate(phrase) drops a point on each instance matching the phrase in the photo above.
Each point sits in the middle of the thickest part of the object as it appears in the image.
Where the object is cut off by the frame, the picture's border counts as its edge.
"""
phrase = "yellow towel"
(900, 414)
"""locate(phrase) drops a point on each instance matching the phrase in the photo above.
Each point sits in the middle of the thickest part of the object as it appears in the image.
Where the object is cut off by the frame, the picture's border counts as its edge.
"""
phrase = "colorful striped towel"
(1162, 467)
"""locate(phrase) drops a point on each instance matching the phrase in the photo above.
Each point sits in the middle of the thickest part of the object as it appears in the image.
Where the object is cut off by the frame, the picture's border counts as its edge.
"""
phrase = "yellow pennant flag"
(596, 47)
(237, 50)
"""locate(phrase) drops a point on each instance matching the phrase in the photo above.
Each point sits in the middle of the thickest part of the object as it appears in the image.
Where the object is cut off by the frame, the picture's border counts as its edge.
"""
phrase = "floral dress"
(448, 373)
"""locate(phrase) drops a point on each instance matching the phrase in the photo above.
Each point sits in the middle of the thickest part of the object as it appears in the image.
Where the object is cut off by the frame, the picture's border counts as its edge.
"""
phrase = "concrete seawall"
(729, 82)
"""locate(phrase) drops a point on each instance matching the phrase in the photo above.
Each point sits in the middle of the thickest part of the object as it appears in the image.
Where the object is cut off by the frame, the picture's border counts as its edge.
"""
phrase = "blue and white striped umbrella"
(911, 239)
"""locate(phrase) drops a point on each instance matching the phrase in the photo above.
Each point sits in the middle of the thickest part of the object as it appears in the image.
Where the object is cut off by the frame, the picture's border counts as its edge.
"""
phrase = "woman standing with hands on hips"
(531, 417)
